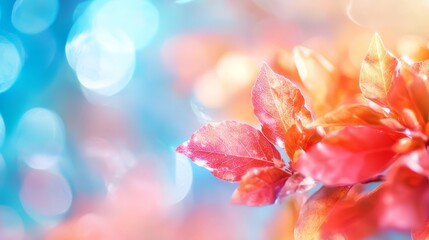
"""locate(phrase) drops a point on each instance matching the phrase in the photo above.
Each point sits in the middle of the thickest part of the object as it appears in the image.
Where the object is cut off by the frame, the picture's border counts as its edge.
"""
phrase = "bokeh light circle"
(11, 224)
(183, 179)
(40, 138)
(2, 131)
(34, 16)
(10, 64)
(45, 194)
(138, 19)
(103, 62)
(101, 47)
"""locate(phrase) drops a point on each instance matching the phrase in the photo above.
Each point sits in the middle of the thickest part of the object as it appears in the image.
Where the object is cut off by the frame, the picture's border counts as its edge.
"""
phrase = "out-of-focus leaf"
(378, 71)
(260, 186)
(417, 81)
(421, 68)
(403, 105)
(421, 233)
(317, 75)
(282, 225)
(406, 145)
(348, 156)
(316, 210)
(353, 218)
(229, 149)
(417, 160)
(278, 104)
(350, 115)
(398, 203)
(405, 197)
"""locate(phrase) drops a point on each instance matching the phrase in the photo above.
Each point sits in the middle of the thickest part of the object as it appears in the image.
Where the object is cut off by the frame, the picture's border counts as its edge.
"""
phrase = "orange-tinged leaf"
(229, 149)
(348, 156)
(282, 226)
(418, 84)
(377, 72)
(421, 68)
(402, 104)
(406, 145)
(382, 81)
(278, 104)
(350, 115)
(316, 210)
(260, 186)
(299, 139)
(317, 75)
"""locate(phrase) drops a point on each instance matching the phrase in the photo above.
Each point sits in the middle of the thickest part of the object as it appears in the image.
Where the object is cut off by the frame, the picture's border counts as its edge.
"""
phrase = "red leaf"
(278, 104)
(260, 186)
(316, 210)
(348, 156)
(398, 203)
(403, 203)
(417, 160)
(421, 233)
(353, 218)
(229, 149)
(418, 85)
(402, 104)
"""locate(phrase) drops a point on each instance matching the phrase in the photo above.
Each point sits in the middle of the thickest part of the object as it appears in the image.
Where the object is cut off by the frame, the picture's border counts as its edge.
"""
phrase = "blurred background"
(96, 95)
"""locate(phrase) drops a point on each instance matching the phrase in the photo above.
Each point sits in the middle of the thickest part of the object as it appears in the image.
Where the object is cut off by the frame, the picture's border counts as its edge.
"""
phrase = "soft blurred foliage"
(95, 96)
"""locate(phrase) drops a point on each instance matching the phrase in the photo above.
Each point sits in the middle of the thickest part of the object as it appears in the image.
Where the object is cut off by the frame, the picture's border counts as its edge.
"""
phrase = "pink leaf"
(403, 203)
(229, 149)
(260, 186)
(348, 156)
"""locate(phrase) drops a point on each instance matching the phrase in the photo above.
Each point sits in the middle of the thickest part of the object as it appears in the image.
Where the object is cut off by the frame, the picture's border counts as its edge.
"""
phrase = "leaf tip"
(265, 69)
(376, 42)
(182, 147)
